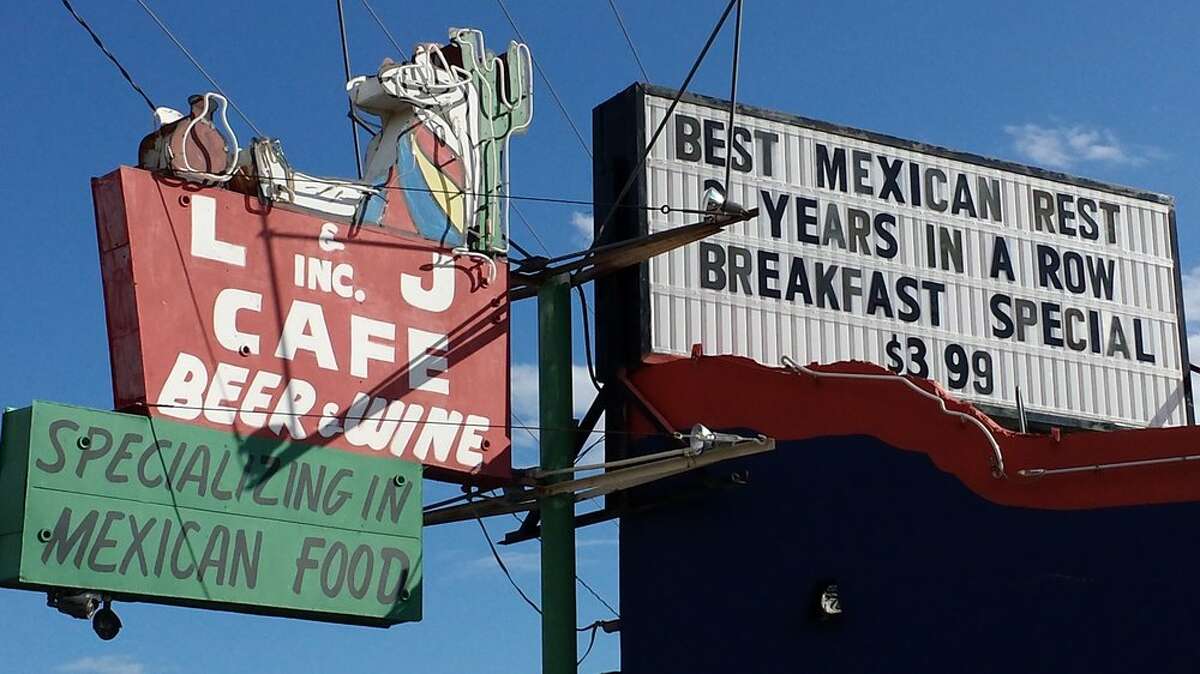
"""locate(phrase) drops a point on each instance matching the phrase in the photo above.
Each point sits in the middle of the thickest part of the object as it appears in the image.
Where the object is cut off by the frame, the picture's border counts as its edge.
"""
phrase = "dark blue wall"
(932, 577)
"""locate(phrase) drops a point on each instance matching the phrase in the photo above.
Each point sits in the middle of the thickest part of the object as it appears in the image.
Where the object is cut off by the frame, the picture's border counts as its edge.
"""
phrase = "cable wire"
(629, 40)
(341, 13)
(532, 231)
(737, 51)
(663, 124)
(199, 67)
(383, 27)
(587, 338)
(110, 55)
(524, 426)
(665, 209)
(598, 597)
(507, 574)
(593, 628)
(532, 604)
(538, 66)
(518, 247)
(587, 449)
(428, 422)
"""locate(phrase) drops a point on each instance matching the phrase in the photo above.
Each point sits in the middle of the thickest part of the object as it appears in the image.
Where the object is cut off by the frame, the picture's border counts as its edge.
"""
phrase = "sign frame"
(619, 136)
(184, 266)
(144, 509)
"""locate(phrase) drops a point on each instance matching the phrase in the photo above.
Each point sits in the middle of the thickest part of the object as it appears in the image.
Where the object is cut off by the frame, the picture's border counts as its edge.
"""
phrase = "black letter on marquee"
(741, 264)
(888, 247)
(775, 211)
(911, 311)
(891, 179)
(826, 292)
(766, 146)
(831, 174)
(687, 137)
(1051, 324)
(713, 141)
(1000, 303)
(768, 273)
(1139, 342)
(798, 282)
(1047, 264)
(1043, 211)
(740, 156)
(877, 297)
(1001, 261)
(862, 171)
(962, 197)
(804, 219)
(712, 266)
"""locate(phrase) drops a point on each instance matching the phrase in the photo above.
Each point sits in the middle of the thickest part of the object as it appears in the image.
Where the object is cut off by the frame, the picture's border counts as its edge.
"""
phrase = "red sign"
(230, 314)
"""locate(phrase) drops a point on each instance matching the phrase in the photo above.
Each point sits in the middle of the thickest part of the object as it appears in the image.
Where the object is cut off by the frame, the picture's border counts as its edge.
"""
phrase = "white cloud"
(104, 664)
(1065, 146)
(595, 542)
(1191, 309)
(584, 227)
(1191, 294)
(524, 387)
(527, 559)
(525, 390)
(517, 561)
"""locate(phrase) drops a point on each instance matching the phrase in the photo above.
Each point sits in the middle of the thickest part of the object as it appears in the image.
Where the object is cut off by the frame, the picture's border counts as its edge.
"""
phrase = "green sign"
(152, 510)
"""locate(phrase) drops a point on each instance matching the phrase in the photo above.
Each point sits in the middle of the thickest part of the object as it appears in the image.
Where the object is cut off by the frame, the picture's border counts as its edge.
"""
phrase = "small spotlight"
(714, 200)
(829, 603)
(81, 605)
(701, 439)
(106, 623)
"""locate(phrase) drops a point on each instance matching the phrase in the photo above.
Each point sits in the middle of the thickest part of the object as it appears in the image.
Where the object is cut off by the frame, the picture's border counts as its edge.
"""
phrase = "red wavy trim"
(732, 392)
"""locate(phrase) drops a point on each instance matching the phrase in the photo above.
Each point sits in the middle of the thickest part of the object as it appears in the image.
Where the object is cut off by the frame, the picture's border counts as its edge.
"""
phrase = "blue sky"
(1105, 90)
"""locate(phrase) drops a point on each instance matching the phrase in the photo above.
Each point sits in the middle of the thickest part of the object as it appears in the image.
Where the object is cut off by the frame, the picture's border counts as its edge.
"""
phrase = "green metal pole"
(558, 512)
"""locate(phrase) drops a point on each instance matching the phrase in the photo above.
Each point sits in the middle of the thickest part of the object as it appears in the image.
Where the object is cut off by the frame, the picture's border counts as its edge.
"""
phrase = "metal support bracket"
(586, 488)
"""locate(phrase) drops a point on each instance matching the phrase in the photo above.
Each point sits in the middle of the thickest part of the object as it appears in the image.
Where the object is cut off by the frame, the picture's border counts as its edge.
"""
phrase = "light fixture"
(829, 602)
(715, 201)
(701, 439)
(106, 623)
(82, 605)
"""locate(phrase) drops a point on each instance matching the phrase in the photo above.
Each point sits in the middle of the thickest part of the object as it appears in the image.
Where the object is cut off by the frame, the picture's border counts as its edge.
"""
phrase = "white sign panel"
(985, 276)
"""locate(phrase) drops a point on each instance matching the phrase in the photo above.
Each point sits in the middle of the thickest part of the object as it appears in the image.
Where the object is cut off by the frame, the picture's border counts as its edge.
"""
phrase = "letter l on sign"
(204, 234)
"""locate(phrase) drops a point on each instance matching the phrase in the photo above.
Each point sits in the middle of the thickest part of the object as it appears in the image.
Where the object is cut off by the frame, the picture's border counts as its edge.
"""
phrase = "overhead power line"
(663, 124)
(199, 67)
(532, 231)
(549, 85)
(383, 27)
(665, 209)
(737, 52)
(349, 101)
(428, 422)
(597, 596)
(110, 55)
(629, 40)
(503, 567)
